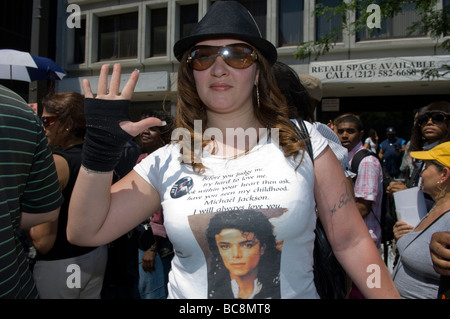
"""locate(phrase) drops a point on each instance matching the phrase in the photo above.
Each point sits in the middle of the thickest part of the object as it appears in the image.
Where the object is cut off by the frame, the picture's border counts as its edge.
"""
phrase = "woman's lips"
(220, 86)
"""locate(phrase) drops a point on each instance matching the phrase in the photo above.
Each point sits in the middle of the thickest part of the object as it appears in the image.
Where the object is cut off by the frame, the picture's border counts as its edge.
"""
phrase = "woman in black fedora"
(235, 142)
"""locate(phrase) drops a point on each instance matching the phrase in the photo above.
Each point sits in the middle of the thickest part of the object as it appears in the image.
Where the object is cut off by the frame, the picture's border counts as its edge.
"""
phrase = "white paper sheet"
(410, 205)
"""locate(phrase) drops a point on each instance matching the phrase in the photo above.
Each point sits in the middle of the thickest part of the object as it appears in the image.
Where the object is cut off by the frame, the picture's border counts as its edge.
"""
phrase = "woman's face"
(151, 138)
(51, 128)
(222, 88)
(240, 251)
(431, 176)
(434, 131)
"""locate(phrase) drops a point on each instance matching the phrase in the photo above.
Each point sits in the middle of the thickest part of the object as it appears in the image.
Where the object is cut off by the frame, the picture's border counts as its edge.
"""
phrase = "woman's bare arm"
(99, 213)
(346, 230)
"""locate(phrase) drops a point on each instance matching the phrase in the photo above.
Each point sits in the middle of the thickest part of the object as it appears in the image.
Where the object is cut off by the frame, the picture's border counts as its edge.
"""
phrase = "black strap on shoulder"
(303, 133)
(413, 180)
(359, 156)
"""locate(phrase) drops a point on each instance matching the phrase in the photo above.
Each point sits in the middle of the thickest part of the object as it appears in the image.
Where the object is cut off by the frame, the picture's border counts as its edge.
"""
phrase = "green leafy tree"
(434, 23)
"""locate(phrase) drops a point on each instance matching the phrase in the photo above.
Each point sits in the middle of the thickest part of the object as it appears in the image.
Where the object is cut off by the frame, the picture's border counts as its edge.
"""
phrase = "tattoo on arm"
(344, 198)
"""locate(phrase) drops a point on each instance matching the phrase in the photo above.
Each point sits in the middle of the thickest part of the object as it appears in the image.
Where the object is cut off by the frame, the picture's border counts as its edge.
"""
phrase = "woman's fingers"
(112, 92)
(114, 85)
(130, 86)
(136, 128)
(102, 86)
(87, 89)
(401, 228)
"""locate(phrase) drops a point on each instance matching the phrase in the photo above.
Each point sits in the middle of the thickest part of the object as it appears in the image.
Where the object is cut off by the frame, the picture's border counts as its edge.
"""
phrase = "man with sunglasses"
(391, 152)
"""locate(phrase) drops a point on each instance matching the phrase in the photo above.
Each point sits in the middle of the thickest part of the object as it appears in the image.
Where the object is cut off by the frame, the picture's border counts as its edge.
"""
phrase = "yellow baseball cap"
(440, 153)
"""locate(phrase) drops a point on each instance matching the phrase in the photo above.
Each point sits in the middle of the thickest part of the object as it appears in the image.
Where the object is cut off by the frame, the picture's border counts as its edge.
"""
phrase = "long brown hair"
(272, 111)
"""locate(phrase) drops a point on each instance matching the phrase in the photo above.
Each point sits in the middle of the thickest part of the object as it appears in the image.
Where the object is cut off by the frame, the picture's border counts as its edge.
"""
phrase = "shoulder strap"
(303, 133)
(359, 156)
(418, 235)
(413, 180)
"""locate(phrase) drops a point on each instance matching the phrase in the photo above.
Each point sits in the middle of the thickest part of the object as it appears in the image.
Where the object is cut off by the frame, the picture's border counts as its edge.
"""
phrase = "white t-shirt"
(372, 144)
(260, 186)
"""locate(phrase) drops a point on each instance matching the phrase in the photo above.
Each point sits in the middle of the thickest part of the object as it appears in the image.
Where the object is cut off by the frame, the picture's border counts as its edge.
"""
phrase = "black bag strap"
(303, 133)
(413, 180)
(329, 276)
(359, 156)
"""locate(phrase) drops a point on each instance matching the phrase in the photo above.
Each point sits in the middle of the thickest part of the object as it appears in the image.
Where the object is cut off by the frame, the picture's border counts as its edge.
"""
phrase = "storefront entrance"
(380, 112)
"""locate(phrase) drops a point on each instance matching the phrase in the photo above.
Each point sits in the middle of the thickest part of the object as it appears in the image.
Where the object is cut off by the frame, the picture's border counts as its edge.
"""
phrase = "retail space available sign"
(401, 69)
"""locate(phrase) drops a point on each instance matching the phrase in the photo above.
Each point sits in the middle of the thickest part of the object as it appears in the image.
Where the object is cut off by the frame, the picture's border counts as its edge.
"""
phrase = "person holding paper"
(431, 127)
(414, 274)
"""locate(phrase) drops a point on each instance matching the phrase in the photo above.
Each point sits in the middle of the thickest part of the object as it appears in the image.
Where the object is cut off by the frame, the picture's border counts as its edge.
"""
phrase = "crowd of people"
(205, 214)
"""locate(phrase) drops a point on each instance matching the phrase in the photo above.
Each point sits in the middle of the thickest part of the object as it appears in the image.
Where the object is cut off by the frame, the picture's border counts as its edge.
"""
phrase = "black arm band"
(105, 139)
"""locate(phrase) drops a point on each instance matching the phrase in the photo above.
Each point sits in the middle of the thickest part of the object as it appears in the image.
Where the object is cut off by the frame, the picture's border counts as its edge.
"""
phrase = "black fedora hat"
(227, 19)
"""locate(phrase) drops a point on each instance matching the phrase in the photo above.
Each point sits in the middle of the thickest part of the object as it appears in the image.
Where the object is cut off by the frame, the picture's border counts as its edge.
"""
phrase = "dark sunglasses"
(238, 56)
(48, 120)
(436, 117)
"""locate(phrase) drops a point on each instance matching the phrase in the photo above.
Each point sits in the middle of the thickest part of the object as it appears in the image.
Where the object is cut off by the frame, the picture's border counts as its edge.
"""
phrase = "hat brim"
(422, 155)
(266, 48)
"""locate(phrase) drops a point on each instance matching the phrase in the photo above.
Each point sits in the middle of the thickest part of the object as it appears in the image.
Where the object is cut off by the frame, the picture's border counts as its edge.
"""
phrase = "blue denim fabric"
(153, 285)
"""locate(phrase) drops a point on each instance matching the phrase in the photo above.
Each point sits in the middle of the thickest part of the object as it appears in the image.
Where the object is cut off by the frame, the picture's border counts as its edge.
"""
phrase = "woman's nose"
(219, 68)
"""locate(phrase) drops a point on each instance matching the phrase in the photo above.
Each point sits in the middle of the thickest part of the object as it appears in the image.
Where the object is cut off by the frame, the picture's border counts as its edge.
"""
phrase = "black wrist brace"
(105, 139)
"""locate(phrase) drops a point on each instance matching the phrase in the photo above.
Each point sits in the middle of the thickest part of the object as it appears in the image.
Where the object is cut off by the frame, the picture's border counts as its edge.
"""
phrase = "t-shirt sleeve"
(318, 142)
(42, 192)
(152, 166)
(366, 185)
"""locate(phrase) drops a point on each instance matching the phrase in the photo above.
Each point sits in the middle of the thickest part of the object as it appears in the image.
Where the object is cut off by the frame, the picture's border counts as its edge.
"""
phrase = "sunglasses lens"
(48, 120)
(203, 57)
(422, 119)
(238, 56)
(437, 118)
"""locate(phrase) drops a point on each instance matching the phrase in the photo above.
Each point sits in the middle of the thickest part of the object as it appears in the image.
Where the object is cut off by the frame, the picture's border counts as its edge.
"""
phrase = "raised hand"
(108, 124)
(112, 93)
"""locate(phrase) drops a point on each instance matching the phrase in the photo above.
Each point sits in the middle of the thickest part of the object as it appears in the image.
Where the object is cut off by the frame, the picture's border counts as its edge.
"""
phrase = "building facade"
(375, 75)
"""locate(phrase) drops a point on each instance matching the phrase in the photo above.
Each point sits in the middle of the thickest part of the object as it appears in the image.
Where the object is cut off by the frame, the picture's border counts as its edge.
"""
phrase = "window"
(80, 43)
(396, 27)
(329, 22)
(158, 43)
(290, 22)
(446, 12)
(118, 36)
(188, 19)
